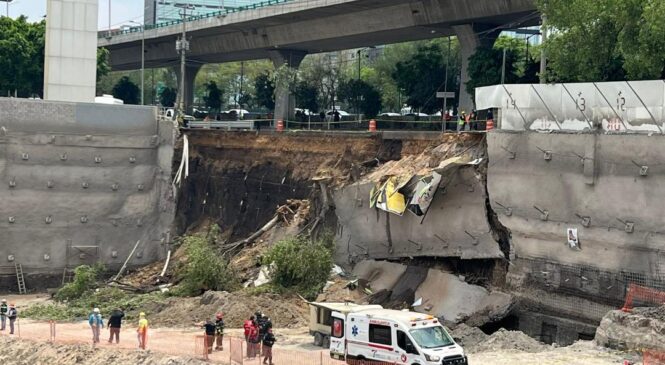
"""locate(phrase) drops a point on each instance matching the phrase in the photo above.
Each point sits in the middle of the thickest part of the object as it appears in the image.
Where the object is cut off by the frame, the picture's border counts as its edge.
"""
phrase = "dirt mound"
(284, 311)
(468, 337)
(640, 328)
(509, 340)
(19, 352)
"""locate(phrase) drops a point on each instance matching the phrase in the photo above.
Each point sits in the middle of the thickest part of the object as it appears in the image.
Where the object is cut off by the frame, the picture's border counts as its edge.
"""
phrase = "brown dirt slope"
(20, 352)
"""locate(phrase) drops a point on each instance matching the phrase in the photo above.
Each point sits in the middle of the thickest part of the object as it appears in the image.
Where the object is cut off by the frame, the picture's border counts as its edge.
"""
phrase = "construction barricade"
(653, 357)
(643, 296)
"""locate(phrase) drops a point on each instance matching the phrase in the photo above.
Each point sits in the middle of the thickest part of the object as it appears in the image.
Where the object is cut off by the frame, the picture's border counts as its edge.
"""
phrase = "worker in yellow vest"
(142, 331)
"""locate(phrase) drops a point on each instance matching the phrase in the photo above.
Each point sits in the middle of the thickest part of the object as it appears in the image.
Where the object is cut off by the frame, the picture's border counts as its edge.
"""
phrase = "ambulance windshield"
(431, 337)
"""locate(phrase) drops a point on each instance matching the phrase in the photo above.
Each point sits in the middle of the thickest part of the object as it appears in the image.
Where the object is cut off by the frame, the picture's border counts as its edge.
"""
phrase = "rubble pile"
(641, 328)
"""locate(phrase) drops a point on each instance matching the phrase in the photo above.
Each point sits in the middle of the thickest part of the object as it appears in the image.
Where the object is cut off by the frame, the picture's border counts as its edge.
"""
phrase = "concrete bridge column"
(471, 37)
(284, 101)
(190, 75)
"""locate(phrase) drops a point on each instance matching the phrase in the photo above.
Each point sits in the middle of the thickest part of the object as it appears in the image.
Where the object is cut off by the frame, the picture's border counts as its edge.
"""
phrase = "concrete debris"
(641, 328)
(442, 294)
(264, 276)
(468, 337)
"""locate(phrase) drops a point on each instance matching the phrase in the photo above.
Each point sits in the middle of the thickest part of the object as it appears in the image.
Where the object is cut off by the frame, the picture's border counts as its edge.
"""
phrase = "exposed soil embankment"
(238, 179)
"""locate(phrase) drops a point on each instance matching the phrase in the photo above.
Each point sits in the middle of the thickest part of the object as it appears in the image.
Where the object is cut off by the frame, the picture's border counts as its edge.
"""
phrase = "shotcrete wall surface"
(82, 183)
(607, 187)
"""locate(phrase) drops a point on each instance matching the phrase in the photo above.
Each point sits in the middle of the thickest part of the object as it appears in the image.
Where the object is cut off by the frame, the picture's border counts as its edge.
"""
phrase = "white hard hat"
(4, 300)
(96, 310)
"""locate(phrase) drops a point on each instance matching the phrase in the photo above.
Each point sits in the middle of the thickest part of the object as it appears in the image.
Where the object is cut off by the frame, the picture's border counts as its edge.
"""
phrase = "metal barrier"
(226, 11)
(201, 347)
(653, 357)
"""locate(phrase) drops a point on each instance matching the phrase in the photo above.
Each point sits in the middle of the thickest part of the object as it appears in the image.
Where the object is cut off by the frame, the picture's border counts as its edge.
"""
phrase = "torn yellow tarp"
(388, 197)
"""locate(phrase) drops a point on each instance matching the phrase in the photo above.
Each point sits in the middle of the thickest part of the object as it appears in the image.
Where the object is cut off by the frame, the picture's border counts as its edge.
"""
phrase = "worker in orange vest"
(142, 331)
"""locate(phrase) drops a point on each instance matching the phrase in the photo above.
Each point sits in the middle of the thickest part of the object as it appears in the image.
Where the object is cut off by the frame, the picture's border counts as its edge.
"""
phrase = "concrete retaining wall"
(542, 184)
(82, 183)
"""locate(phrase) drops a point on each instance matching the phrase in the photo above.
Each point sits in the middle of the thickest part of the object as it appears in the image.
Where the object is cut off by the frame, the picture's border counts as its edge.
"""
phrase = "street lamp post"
(142, 61)
(182, 46)
(7, 1)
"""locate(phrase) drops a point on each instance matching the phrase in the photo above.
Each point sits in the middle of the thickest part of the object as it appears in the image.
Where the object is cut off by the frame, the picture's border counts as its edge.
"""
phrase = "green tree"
(605, 40)
(213, 97)
(103, 67)
(300, 265)
(168, 96)
(127, 91)
(361, 96)
(420, 90)
(485, 68)
(307, 96)
(22, 61)
(264, 88)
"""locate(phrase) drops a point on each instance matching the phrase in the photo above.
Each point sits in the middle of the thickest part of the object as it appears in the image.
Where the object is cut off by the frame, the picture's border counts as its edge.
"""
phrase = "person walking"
(142, 331)
(247, 326)
(12, 315)
(268, 340)
(210, 328)
(96, 324)
(461, 121)
(114, 324)
(3, 314)
(219, 331)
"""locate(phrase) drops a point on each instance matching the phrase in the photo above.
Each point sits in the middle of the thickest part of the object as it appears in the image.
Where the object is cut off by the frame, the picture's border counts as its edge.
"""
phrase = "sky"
(122, 11)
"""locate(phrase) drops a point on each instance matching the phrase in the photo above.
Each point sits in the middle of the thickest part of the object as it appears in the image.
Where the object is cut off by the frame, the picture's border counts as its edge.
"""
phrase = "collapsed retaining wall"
(81, 183)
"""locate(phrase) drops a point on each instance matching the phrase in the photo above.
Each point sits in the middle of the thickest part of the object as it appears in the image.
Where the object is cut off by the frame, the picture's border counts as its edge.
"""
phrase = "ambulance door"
(338, 336)
(408, 354)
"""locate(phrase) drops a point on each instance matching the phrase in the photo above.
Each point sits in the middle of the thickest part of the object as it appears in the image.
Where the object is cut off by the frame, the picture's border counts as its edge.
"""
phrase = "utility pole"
(444, 111)
(182, 46)
(543, 55)
(242, 78)
(503, 67)
(142, 60)
(7, 2)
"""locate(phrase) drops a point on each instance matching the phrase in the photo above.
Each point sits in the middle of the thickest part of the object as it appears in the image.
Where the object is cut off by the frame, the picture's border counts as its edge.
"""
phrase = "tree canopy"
(264, 88)
(22, 62)
(127, 91)
(361, 96)
(213, 97)
(605, 40)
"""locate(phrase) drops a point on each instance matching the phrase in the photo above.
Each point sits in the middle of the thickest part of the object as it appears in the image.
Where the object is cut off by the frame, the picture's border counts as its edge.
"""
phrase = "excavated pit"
(458, 255)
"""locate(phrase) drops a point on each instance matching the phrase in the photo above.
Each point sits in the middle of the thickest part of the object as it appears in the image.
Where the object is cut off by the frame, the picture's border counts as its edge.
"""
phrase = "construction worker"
(96, 324)
(210, 328)
(12, 315)
(3, 314)
(268, 341)
(461, 121)
(219, 331)
(247, 326)
(114, 324)
(142, 330)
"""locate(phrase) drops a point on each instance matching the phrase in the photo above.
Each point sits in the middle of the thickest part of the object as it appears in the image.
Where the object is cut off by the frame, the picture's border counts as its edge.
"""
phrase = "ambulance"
(400, 337)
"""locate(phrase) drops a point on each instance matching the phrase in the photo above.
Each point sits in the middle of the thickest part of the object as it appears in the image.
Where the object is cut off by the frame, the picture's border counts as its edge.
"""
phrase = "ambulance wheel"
(326, 342)
(318, 339)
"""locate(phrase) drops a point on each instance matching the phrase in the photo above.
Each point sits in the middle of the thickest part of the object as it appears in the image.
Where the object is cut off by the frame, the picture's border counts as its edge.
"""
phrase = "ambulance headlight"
(432, 357)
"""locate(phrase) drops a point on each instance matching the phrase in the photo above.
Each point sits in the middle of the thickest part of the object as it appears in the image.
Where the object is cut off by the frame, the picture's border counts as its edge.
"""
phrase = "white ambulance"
(392, 336)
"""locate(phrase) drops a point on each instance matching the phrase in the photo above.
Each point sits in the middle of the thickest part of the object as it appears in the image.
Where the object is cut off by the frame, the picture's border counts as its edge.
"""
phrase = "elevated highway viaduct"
(288, 31)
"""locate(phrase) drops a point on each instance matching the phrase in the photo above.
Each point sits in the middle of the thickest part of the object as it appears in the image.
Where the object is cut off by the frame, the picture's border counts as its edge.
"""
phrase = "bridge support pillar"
(285, 103)
(471, 37)
(190, 75)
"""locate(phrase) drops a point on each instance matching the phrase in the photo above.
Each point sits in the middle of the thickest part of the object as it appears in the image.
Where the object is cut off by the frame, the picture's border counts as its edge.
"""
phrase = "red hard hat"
(220, 315)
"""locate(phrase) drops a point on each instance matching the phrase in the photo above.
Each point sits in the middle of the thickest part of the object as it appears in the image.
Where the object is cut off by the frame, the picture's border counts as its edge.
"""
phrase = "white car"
(342, 113)
(240, 112)
(389, 114)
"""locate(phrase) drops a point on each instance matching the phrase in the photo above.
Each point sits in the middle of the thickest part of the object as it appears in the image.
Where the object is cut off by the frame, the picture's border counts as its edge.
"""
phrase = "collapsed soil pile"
(474, 340)
(20, 352)
(284, 311)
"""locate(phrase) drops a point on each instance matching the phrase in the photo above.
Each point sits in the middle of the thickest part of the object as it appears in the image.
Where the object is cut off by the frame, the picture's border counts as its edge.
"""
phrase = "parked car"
(389, 114)
(239, 112)
(342, 113)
